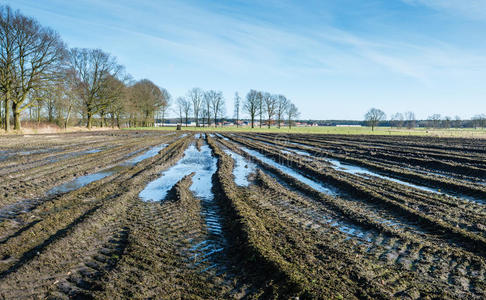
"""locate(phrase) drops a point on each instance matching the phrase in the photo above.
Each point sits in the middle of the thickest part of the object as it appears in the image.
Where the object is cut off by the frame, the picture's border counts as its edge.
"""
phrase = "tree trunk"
(38, 114)
(16, 111)
(7, 113)
(67, 117)
(90, 120)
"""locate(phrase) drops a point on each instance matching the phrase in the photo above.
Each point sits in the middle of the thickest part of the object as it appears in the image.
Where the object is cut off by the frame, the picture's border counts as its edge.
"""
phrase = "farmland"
(165, 214)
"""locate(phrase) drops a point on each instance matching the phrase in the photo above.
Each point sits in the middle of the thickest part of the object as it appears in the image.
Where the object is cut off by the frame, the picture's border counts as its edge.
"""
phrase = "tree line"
(375, 116)
(206, 108)
(39, 73)
(44, 79)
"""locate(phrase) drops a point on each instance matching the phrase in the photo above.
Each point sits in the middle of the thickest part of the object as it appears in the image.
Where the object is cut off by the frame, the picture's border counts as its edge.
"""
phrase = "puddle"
(357, 170)
(204, 165)
(291, 172)
(223, 137)
(364, 172)
(150, 153)
(242, 168)
(12, 210)
(79, 182)
(192, 161)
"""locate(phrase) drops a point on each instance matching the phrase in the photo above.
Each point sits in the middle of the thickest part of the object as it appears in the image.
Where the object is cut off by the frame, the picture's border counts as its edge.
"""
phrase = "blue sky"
(335, 59)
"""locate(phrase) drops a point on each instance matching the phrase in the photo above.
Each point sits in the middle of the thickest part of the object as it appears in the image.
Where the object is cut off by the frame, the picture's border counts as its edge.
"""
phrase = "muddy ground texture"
(166, 215)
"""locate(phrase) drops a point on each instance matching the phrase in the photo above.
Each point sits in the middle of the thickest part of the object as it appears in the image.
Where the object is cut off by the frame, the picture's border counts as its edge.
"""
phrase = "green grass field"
(466, 133)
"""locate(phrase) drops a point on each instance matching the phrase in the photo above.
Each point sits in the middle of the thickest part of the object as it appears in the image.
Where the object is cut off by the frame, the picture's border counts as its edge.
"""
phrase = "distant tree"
(180, 109)
(446, 123)
(30, 59)
(281, 108)
(374, 116)
(148, 98)
(434, 120)
(165, 103)
(270, 102)
(261, 96)
(397, 120)
(251, 105)
(196, 96)
(410, 119)
(479, 121)
(207, 100)
(292, 114)
(185, 108)
(237, 109)
(92, 69)
(213, 102)
(457, 122)
(217, 105)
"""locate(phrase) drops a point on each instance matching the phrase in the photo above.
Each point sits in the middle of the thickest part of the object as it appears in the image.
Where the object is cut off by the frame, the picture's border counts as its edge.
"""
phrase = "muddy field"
(111, 215)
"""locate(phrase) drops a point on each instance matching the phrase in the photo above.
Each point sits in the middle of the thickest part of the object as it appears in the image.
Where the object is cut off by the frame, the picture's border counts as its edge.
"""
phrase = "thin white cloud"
(473, 9)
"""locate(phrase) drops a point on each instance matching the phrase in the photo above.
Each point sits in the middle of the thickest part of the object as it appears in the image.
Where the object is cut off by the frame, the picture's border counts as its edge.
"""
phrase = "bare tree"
(196, 97)
(148, 98)
(237, 109)
(115, 94)
(180, 109)
(410, 119)
(397, 120)
(186, 108)
(68, 98)
(164, 103)
(374, 116)
(260, 107)
(457, 122)
(479, 121)
(217, 105)
(92, 67)
(207, 103)
(270, 102)
(30, 58)
(282, 106)
(292, 114)
(251, 105)
(434, 120)
(447, 122)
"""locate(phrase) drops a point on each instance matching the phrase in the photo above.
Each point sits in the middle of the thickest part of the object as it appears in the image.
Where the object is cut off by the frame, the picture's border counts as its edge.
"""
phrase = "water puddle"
(291, 172)
(242, 168)
(357, 170)
(150, 153)
(364, 172)
(192, 161)
(204, 253)
(79, 182)
(223, 137)
(13, 210)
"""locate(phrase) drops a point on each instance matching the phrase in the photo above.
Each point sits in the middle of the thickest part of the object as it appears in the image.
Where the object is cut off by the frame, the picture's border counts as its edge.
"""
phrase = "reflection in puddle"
(291, 172)
(202, 163)
(79, 182)
(150, 153)
(203, 254)
(242, 168)
(357, 170)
